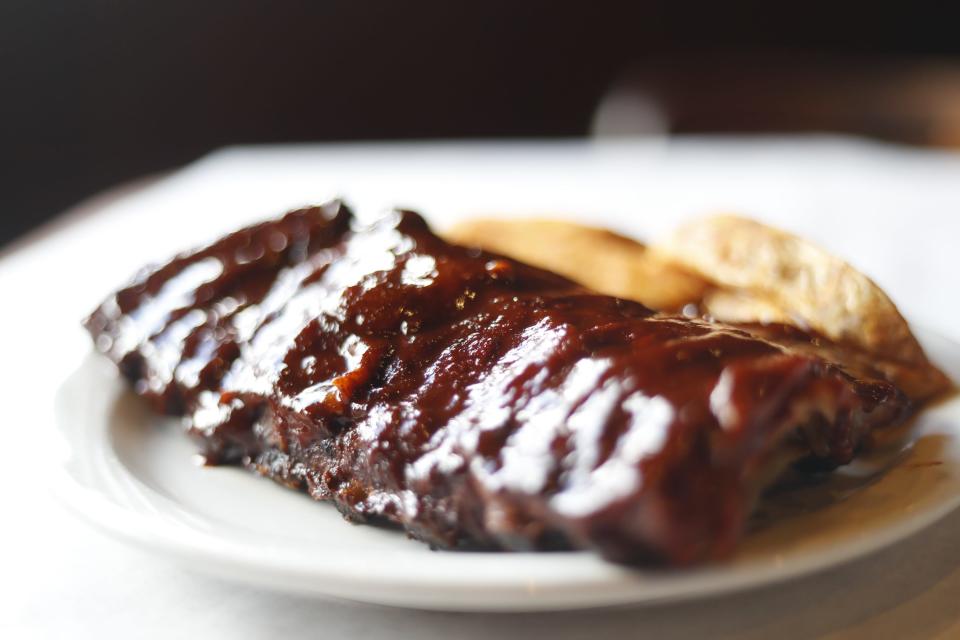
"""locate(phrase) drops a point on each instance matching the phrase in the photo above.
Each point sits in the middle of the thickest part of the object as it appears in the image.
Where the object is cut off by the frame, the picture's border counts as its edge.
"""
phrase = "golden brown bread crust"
(734, 269)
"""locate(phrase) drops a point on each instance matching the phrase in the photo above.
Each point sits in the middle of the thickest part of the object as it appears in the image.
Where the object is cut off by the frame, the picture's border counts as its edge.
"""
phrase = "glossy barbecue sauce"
(471, 399)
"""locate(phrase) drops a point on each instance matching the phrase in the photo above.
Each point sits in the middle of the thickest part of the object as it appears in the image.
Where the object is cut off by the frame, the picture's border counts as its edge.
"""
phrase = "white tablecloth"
(895, 213)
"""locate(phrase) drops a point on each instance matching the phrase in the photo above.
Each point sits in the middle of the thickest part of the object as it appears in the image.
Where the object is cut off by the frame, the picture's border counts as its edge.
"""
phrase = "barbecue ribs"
(473, 400)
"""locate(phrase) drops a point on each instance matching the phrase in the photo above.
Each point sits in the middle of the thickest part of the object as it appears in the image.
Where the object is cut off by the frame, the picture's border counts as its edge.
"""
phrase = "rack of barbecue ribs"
(478, 402)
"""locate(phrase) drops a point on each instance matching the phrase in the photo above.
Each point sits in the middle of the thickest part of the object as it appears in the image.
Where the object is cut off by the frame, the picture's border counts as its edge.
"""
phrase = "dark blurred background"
(96, 92)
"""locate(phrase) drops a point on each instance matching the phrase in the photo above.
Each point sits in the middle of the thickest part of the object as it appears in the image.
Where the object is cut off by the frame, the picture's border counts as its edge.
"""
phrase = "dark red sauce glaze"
(471, 399)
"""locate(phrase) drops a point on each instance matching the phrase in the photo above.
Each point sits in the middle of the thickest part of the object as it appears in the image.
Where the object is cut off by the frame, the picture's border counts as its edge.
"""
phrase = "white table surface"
(895, 213)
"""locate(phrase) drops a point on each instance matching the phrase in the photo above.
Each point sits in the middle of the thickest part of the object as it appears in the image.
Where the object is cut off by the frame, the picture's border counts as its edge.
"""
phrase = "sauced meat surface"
(473, 400)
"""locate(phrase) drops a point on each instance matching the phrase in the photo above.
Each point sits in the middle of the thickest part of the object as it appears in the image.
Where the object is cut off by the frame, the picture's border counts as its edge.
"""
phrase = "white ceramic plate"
(134, 475)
